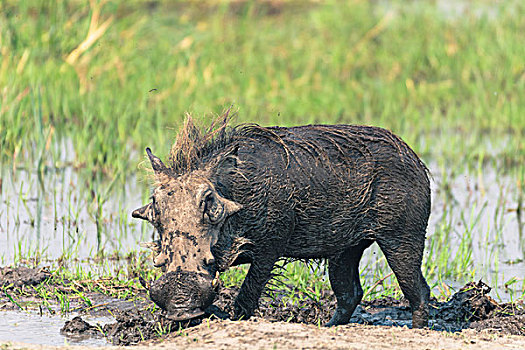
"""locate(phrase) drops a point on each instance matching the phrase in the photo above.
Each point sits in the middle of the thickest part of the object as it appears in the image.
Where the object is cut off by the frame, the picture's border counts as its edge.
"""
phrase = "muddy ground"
(470, 311)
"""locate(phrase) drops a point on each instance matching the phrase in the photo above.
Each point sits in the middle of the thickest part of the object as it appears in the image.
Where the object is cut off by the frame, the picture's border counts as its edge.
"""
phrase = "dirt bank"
(470, 308)
(261, 334)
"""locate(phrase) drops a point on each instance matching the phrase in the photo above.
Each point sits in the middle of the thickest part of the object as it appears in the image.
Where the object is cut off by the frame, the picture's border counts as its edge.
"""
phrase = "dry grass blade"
(371, 289)
(94, 33)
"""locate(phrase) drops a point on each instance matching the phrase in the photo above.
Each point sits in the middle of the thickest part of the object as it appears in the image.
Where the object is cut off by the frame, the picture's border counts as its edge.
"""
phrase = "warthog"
(252, 194)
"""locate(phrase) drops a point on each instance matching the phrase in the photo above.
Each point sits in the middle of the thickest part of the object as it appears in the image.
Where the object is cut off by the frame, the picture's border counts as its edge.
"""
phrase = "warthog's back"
(328, 187)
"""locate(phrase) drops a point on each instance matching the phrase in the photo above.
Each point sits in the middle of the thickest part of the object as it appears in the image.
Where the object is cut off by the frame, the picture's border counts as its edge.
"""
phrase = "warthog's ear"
(161, 171)
(143, 213)
(230, 207)
(218, 208)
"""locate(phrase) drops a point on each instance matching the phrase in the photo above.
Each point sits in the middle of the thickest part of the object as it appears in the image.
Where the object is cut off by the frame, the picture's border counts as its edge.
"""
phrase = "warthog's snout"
(184, 294)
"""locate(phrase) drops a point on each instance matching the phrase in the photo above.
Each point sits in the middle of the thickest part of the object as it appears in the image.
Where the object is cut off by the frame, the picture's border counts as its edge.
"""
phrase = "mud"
(137, 321)
(77, 329)
(471, 307)
(22, 276)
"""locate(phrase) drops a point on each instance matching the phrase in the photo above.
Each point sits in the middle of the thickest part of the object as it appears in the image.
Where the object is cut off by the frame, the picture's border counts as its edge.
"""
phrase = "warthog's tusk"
(215, 281)
(154, 245)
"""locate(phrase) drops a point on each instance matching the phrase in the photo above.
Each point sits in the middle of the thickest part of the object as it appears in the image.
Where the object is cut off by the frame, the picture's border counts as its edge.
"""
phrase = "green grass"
(452, 86)
(71, 283)
(442, 83)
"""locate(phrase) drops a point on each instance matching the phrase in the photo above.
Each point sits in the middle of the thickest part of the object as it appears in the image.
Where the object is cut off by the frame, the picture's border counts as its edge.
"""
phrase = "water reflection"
(33, 328)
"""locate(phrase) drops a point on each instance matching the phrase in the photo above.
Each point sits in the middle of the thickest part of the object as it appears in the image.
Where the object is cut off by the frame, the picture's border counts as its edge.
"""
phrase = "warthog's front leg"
(253, 285)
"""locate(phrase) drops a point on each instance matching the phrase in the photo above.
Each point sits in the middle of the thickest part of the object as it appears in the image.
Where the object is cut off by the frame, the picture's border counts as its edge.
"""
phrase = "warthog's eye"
(212, 207)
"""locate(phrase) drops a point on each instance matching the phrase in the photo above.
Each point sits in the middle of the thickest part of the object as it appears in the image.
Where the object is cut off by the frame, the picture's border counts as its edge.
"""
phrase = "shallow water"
(451, 9)
(473, 217)
(57, 217)
(28, 327)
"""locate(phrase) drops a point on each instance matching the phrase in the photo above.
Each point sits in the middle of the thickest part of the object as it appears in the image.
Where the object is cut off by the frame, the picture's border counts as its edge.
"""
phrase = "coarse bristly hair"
(194, 144)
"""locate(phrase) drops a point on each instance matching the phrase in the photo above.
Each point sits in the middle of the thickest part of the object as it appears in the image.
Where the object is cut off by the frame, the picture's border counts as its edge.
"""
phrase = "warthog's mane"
(195, 146)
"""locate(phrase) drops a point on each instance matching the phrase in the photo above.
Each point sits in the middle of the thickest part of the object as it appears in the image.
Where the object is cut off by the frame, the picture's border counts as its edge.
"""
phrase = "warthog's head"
(188, 213)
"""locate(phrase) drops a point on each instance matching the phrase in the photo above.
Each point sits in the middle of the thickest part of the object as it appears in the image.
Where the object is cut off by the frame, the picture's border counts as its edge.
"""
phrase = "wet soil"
(137, 321)
(78, 329)
(22, 276)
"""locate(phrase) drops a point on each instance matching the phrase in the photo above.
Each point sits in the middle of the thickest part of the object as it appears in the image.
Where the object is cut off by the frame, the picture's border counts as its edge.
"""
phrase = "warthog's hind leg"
(343, 271)
(404, 258)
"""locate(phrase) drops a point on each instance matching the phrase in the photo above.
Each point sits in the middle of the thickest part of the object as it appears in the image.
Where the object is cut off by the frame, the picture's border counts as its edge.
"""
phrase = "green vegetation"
(68, 290)
(85, 86)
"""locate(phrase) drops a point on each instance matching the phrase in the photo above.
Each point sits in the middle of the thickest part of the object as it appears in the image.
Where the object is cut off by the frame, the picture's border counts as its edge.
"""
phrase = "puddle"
(477, 215)
(29, 327)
